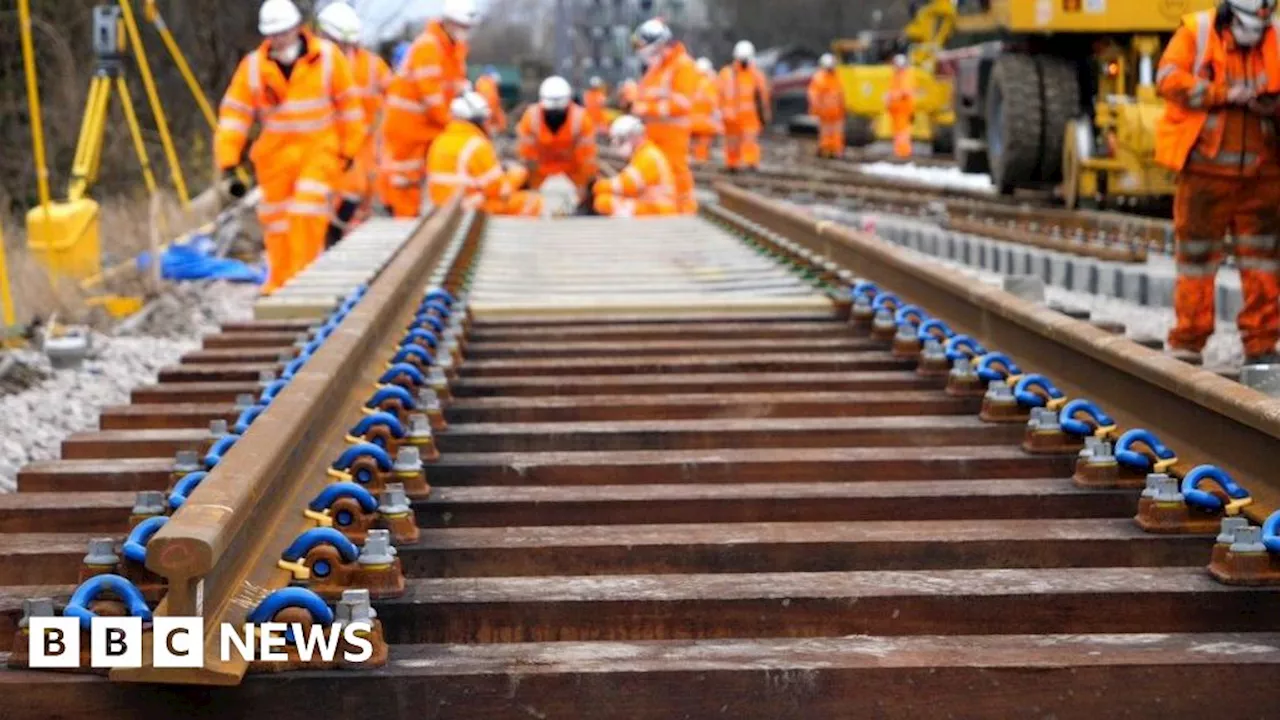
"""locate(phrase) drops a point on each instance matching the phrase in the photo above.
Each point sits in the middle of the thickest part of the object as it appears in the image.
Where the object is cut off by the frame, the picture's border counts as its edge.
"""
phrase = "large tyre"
(858, 131)
(1015, 122)
(969, 161)
(1060, 79)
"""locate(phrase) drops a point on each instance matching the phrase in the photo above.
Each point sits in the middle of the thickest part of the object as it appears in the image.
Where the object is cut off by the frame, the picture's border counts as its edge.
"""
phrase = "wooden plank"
(83, 512)
(488, 349)
(166, 416)
(696, 383)
(753, 362)
(121, 474)
(194, 392)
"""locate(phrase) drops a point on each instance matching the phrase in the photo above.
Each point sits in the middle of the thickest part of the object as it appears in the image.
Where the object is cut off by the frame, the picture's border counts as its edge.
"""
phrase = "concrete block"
(1027, 287)
(1263, 378)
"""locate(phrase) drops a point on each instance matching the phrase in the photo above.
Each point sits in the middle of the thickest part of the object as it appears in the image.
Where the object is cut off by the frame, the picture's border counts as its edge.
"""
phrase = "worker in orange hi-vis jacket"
(298, 88)
(706, 111)
(463, 161)
(433, 72)
(747, 108)
(339, 23)
(487, 86)
(1220, 77)
(628, 91)
(826, 105)
(665, 101)
(901, 104)
(594, 101)
(646, 186)
(555, 137)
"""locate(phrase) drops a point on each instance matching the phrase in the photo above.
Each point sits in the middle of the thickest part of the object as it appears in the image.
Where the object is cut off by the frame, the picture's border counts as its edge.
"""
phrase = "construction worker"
(298, 87)
(826, 104)
(487, 86)
(339, 23)
(594, 101)
(555, 137)
(463, 160)
(1219, 77)
(901, 103)
(627, 94)
(706, 111)
(433, 72)
(665, 101)
(746, 106)
(647, 186)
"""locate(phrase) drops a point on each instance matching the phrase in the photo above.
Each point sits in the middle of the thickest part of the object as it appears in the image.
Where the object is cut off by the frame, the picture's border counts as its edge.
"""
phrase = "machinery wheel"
(944, 140)
(859, 132)
(1061, 83)
(969, 161)
(1015, 119)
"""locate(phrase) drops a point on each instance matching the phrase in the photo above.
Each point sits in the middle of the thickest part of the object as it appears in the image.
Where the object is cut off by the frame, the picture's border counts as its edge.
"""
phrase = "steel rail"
(1202, 416)
(219, 552)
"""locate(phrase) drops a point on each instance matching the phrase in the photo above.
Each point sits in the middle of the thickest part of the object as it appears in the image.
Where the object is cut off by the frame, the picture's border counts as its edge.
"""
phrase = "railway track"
(682, 473)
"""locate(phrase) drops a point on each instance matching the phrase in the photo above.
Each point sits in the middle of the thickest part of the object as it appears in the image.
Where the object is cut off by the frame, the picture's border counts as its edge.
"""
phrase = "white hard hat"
(705, 65)
(651, 34)
(340, 22)
(827, 61)
(1252, 7)
(596, 81)
(469, 106)
(277, 16)
(461, 12)
(626, 127)
(744, 50)
(555, 93)
(900, 61)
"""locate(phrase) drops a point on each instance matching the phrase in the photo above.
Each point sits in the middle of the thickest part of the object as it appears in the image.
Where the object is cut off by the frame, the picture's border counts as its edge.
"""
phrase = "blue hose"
(220, 448)
(415, 352)
(313, 538)
(379, 419)
(910, 315)
(958, 344)
(247, 416)
(420, 337)
(184, 487)
(91, 589)
(866, 290)
(1204, 500)
(1074, 426)
(886, 301)
(391, 392)
(934, 329)
(415, 375)
(1136, 460)
(135, 546)
(1022, 391)
(1004, 367)
(355, 452)
(338, 491)
(292, 597)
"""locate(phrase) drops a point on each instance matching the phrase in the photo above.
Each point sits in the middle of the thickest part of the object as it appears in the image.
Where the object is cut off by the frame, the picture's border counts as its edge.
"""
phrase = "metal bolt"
(419, 426)
(1168, 490)
(244, 401)
(377, 549)
(933, 350)
(862, 302)
(999, 391)
(883, 318)
(354, 607)
(218, 427)
(393, 500)
(187, 461)
(102, 551)
(408, 460)
(1153, 484)
(1248, 539)
(35, 607)
(906, 332)
(428, 399)
(1230, 525)
(148, 502)
(300, 340)
(962, 367)
(266, 377)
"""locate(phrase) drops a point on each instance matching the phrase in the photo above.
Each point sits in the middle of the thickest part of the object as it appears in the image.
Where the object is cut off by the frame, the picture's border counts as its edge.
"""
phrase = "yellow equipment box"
(64, 237)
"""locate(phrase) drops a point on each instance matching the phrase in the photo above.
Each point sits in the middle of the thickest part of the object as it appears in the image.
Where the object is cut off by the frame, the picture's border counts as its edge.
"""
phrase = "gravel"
(34, 422)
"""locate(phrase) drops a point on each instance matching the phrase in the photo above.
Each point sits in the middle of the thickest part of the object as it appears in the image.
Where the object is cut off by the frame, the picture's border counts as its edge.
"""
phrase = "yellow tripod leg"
(135, 132)
(157, 109)
(7, 316)
(89, 143)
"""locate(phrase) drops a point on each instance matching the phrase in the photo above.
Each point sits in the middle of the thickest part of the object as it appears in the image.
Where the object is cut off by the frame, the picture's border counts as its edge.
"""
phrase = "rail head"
(218, 552)
(1198, 413)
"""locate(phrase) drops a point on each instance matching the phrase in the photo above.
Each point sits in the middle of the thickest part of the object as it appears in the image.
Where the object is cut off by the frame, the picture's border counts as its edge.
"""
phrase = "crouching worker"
(463, 160)
(646, 186)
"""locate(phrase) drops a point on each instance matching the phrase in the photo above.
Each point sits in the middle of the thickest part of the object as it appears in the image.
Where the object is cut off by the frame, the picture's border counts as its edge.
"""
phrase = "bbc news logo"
(178, 642)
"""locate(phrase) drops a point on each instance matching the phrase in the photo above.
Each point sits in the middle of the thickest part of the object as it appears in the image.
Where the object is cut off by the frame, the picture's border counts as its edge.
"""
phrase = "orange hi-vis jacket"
(315, 111)
(706, 108)
(901, 101)
(488, 87)
(739, 89)
(571, 150)
(463, 160)
(433, 72)
(1198, 68)
(826, 96)
(647, 180)
(665, 100)
(372, 77)
(594, 101)
(628, 93)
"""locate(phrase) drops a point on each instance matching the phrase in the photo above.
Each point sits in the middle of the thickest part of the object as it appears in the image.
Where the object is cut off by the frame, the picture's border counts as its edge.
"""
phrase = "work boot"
(332, 236)
(1267, 358)
(1190, 357)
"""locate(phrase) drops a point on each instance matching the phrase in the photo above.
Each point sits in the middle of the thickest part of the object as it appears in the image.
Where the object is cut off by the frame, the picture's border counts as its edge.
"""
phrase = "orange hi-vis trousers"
(1206, 208)
(831, 136)
(294, 212)
(702, 146)
(741, 146)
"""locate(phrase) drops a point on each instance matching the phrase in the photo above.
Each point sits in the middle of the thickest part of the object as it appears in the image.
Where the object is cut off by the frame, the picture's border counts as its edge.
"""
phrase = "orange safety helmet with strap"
(1193, 77)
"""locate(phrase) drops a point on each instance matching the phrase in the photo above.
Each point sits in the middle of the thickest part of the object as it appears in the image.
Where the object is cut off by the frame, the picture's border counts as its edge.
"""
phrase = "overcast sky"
(389, 14)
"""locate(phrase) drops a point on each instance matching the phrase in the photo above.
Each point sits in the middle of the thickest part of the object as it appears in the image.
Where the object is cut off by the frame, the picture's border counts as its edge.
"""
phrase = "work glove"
(1265, 104)
(1240, 95)
(347, 163)
(234, 185)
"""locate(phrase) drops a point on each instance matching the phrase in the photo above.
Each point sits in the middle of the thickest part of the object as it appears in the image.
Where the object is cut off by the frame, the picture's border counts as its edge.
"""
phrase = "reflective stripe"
(1188, 269)
(296, 126)
(311, 186)
(464, 158)
(1265, 243)
(229, 103)
(1195, 248)
(636, 176)
(279, 226)
(1204, 25)
(426, 71)
(352, 115)
(303, 106)
(1224, 158)
(432, 99)
(1248, 262)
(255, 74)
(400, 103)
(227, 124)
(298, 207)
(493, 173)
(449, 179)
(404, 165)
(265, 208)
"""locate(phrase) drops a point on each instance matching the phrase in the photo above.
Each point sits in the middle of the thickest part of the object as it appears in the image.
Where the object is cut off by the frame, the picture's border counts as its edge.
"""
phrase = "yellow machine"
(865, 71)
(1067, 95)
